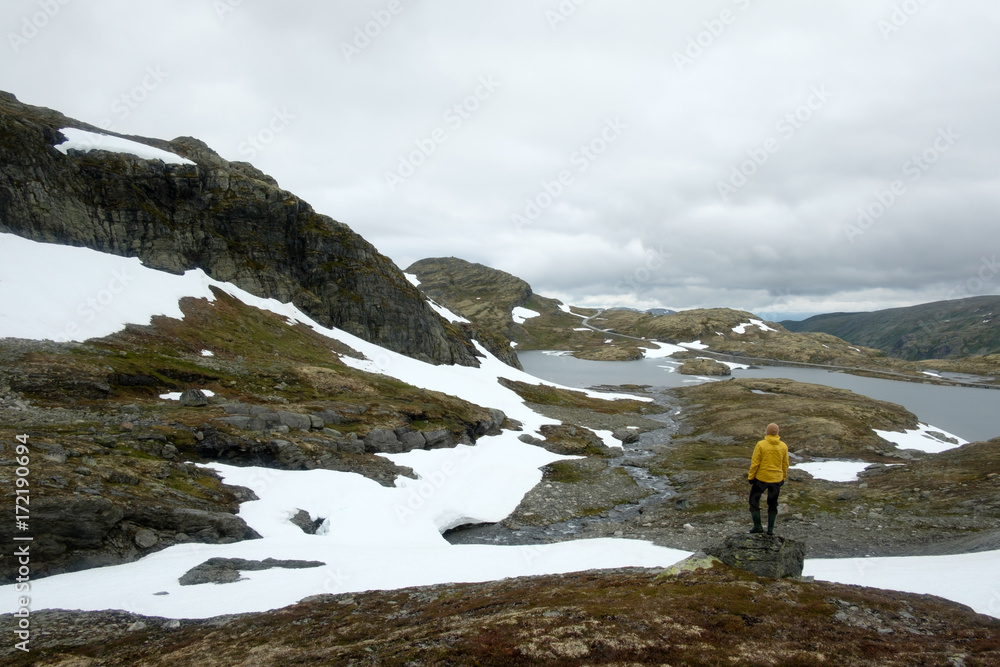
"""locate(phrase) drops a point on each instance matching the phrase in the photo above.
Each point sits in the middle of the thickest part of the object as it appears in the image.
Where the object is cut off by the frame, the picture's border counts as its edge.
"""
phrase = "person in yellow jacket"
(768, 471)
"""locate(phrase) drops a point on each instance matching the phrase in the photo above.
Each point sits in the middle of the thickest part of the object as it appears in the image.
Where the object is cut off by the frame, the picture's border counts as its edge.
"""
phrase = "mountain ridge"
(947, 329)
(227, 218)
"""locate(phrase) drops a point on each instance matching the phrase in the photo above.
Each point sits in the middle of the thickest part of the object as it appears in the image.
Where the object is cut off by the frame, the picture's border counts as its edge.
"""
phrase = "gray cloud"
(803, 113)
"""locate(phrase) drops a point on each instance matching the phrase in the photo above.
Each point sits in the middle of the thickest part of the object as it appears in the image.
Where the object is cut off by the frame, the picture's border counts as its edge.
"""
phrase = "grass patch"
(548, 395)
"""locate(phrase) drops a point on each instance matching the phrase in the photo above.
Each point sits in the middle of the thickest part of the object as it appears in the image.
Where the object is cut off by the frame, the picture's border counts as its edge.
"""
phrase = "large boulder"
(702, 366)
(762, 554)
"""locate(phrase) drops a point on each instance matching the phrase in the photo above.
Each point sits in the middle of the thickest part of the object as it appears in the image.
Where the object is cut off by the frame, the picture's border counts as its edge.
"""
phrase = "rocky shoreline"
(690, 511)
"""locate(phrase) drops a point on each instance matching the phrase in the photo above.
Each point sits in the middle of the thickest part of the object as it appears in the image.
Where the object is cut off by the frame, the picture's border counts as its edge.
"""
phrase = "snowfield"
(373, 537)
(85, 141)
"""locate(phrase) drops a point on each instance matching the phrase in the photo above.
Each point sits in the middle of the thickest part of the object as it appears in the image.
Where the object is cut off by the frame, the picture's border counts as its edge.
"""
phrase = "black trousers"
(757, 490)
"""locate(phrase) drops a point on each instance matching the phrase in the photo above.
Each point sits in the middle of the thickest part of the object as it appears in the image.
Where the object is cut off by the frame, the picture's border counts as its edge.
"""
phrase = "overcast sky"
(779, 157)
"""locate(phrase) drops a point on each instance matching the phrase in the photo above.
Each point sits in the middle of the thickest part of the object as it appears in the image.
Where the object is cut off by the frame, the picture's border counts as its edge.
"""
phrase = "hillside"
(488, 297)
(940, 330)
(227, 218)
(630, 617)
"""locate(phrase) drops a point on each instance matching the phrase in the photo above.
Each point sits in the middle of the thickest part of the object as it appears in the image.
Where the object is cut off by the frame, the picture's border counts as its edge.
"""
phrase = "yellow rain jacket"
(770, 460)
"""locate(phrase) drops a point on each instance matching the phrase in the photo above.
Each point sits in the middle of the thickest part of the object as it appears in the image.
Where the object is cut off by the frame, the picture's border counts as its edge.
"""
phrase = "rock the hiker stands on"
(763, 555)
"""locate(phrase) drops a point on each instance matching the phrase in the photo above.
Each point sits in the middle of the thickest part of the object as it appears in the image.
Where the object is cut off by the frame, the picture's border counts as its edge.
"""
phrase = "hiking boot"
(757, 528)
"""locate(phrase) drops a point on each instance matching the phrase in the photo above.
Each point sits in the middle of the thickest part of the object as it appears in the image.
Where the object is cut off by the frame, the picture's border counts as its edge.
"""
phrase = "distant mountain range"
(940, 330)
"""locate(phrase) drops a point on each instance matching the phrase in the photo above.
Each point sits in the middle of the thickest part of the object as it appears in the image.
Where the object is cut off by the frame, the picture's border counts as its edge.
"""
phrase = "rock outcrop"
(704, 367)
(484, 295)
(227, 218)
(764, 555)
(227, 570)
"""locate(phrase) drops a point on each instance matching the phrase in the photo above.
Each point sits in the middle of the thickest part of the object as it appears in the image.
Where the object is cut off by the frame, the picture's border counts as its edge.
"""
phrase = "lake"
(970, 412)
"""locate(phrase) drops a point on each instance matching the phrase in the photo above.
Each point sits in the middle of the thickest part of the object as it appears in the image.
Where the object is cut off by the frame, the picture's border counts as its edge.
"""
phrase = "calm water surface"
(969, 412)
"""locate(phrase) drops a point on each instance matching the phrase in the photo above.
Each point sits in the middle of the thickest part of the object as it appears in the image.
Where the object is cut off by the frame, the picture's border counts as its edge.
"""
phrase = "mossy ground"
(717, 616)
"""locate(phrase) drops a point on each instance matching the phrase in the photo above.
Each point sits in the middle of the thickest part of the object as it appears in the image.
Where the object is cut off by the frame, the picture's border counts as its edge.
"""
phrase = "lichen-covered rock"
(764, 555)
(193, 398)
(709, 367)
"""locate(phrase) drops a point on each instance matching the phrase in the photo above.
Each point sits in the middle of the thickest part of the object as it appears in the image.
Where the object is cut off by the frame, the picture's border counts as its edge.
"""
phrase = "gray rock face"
(764, 555)
(308, 525)
(193, 398)
(227, 218)
(145, 538)
(383, 440)
(295, 421)
(626, 436)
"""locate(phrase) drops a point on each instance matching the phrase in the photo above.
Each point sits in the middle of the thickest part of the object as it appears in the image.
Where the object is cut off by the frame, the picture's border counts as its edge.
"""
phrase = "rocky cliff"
(227, 218)
(484, 295)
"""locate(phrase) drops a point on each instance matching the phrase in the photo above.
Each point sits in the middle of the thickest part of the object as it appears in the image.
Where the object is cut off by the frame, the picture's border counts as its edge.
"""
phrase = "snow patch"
(447, 314)
(85, 141)
(742, 328)
(924, 438)
(521, 315)
(176, 395)
(833, 471)
(662, 350)
(412, 277)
